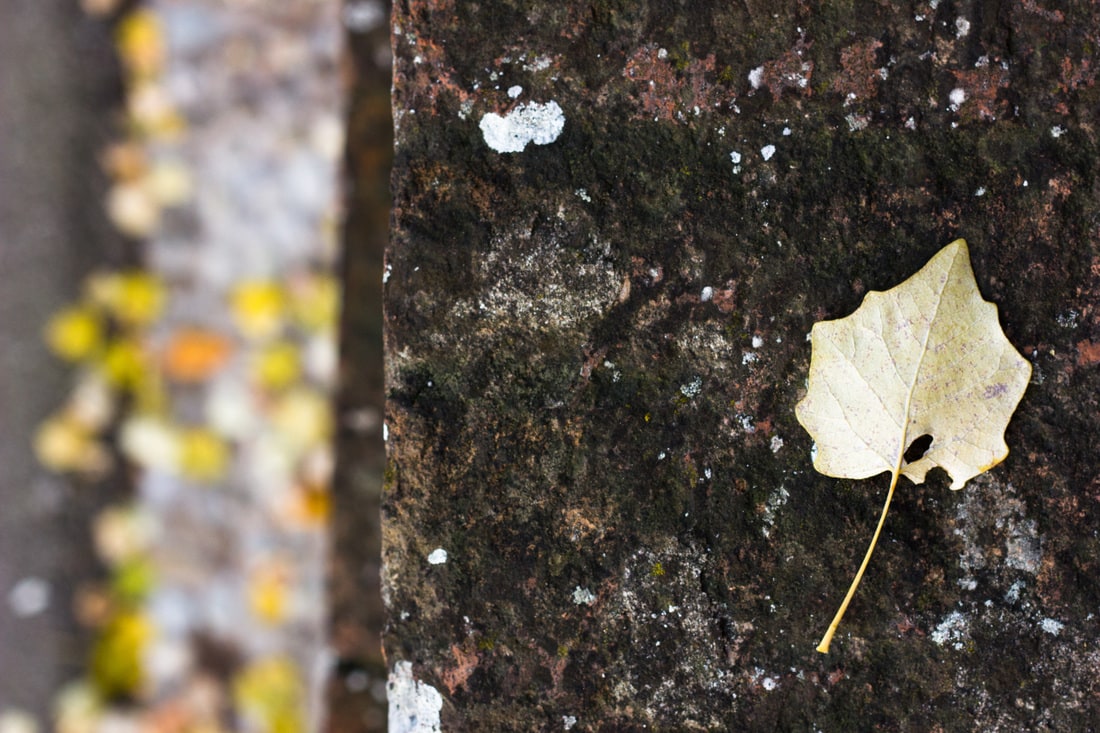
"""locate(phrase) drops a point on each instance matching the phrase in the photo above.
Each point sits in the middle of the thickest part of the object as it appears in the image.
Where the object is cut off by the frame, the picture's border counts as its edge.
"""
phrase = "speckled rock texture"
(596, 336)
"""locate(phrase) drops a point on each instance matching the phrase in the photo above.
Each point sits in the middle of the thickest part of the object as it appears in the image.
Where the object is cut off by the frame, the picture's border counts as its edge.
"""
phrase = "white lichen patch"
(692, 388)
(957, 97)
(1068, 319)
(659, 598)
(962, 27)
(413, 706)
(616, 375)
(996, 509)
(538, 63)
(857, 122)
(707, 343)
(952, 630)
(533, 122)
(776, 500)
(760, 677)
(546, 279)
(1022, 545)
(1051, 626)
(756, 77)
(438, 556)
(767, 152)
(776, 443)
(583, 596)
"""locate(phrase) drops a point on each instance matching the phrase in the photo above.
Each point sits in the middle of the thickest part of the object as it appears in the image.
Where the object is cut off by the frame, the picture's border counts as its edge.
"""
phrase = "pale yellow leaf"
(926, 357)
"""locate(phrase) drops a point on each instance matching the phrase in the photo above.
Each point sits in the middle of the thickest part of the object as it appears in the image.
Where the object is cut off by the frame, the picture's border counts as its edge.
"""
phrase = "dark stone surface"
(568, 413)
(58, 84)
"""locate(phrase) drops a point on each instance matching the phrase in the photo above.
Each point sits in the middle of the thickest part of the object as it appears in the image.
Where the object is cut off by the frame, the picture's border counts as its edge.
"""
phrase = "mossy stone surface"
(594, 348)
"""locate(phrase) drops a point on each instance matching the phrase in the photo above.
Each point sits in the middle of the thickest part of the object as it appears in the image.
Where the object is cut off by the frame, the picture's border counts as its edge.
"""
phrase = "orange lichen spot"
(1088, 353)
(982, 87)
(860, 73)
(792, 70)
(675, 86)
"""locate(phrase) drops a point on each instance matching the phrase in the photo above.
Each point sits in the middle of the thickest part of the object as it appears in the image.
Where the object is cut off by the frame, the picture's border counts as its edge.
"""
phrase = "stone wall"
(614, 225)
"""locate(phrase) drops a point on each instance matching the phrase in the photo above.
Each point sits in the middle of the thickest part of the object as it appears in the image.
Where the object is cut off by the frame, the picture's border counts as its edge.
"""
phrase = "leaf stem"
(826, 640)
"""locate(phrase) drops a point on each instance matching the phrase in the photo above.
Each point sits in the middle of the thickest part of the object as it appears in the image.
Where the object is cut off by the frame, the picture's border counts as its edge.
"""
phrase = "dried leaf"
(258, 308)
(927, 357)
(75, 333)
(195, 354)
(203, 456)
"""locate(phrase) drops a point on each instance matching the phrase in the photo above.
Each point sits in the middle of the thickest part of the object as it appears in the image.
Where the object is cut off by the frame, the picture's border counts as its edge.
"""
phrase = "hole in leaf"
(917, 448)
